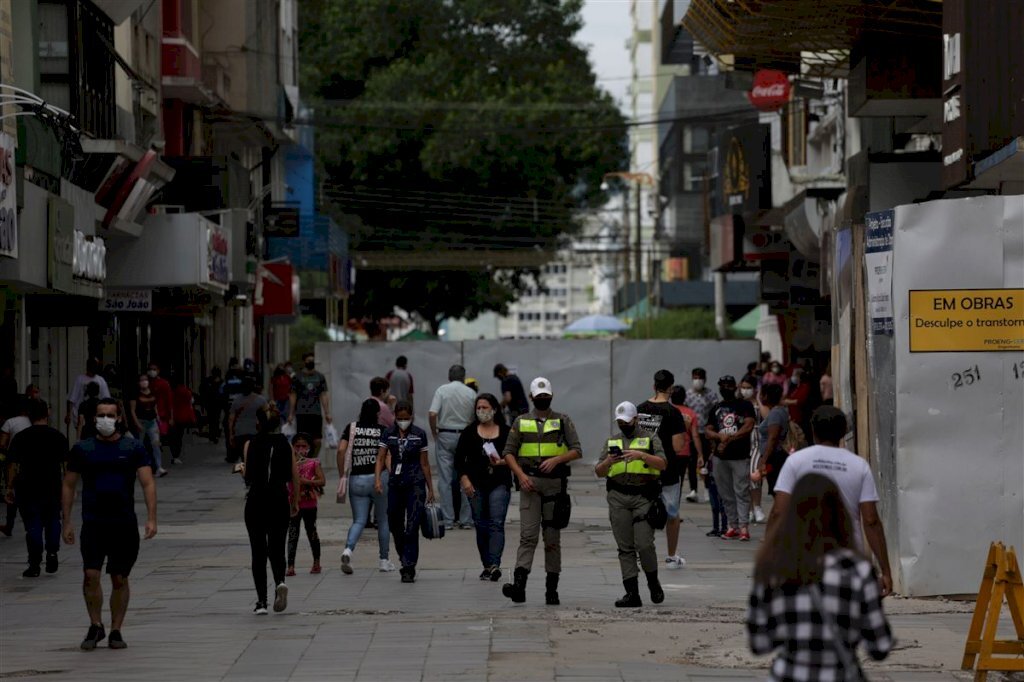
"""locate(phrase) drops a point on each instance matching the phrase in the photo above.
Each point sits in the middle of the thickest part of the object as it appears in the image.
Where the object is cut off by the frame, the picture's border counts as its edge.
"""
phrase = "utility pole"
(638, 258)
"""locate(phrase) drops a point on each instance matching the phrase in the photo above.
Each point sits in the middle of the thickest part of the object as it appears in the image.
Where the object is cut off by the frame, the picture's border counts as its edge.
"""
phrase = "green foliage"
(455, 124)
(681, 323)
(304, 335)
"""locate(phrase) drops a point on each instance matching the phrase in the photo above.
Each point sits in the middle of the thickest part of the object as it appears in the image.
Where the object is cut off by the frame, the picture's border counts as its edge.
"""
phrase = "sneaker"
(692, 496)
(116, 641)
(290, 572)
(316, 569)
(408, 575)
(750, 516)
(675, 562)
(281, 598)
(346, 561)
(495, 574)
(51, 563)
(161, 472)
(176, 460)
(485, 574)
(31, 572)
(95, 635)
(759, 516)
(730, 534)
(744, 535)
(261, 609)
(386, 566)
(714, 533)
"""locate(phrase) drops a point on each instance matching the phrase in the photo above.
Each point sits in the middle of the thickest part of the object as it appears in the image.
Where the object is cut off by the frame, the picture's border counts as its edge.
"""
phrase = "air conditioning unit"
(217, 79)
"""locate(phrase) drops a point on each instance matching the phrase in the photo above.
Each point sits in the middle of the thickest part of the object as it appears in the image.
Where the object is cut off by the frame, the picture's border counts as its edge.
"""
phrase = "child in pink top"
(311, 485)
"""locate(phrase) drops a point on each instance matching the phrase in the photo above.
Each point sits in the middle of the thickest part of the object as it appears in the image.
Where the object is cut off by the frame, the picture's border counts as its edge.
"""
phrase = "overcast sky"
(606, 30)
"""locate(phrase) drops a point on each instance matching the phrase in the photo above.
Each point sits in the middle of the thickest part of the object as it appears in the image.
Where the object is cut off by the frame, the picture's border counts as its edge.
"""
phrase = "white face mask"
(404, 424)
(795, 379)
(698, 384)
(747, 393)
(152, 373)
(485, 416)
(106, 426)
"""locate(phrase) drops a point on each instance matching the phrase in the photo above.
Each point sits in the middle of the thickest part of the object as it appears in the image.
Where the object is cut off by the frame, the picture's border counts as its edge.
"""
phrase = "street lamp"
(639, 179)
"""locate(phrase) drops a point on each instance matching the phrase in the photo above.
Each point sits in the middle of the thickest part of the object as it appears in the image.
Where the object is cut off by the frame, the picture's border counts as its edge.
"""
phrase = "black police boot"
(551, 590)
(657, 594)
(516, 590)
(632, 598)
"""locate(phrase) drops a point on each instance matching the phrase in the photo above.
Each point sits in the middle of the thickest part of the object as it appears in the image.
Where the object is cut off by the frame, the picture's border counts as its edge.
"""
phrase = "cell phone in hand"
(491, 452)
(615, 451)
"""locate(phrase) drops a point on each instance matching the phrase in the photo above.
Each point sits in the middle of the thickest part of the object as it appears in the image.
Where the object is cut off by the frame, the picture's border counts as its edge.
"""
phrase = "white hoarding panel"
(349, 368)
(960, 434)
(579, 372)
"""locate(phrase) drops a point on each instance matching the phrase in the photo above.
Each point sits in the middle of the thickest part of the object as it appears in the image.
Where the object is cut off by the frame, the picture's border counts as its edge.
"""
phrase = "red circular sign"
(771, 90)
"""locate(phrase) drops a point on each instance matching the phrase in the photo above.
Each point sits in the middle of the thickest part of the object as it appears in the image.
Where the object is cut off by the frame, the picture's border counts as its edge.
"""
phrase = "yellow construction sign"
(1001, 580)
(962, 320)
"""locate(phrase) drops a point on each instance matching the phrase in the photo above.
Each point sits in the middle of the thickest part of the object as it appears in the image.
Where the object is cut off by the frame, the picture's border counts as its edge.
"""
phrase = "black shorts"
(312, 424)
(115, 543)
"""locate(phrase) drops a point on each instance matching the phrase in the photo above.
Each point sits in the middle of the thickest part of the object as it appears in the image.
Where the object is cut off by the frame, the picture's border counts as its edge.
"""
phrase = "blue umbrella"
(595, 324)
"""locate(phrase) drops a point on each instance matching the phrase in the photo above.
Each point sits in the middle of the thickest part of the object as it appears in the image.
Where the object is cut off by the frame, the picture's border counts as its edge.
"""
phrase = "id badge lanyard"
(401, 455)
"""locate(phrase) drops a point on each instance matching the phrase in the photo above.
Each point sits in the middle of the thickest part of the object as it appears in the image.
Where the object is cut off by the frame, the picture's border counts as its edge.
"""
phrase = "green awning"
(418, 335)
(746, 326)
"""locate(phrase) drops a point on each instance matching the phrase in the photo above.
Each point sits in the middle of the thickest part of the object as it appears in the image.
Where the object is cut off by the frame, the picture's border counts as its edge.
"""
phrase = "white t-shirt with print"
(848, 471)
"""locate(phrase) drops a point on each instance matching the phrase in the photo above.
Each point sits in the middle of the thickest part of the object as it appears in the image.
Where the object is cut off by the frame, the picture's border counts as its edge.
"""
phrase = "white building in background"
(580, 281)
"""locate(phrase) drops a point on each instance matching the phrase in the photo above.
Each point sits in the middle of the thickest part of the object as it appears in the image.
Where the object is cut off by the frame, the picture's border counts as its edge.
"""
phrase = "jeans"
(489, 510)
(307, 517)
(266, 520)
(405, 512)
(41, 515)
(733, 479)
(445, 452)
(150, 437)
(717, 508)
(361, 495)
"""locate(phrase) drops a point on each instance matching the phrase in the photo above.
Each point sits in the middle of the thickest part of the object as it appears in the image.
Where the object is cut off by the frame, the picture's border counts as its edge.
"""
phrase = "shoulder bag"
(851, 668)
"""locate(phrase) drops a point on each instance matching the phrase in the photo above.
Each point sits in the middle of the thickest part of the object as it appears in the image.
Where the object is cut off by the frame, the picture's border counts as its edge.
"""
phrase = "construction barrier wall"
(589, 377)
(955, 468)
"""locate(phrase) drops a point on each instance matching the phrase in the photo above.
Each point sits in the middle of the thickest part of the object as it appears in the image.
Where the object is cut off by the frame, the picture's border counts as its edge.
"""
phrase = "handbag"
(347, 466)
(431, 523)
(851, 668)
(331, 436)
(562, 508)
(657, 514)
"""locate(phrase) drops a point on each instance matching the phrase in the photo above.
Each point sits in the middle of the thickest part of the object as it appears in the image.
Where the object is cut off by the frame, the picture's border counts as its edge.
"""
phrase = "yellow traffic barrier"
(1002, 579)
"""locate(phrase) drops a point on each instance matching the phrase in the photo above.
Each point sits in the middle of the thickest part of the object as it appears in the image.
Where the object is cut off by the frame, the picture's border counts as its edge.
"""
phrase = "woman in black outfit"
(268, 466)
(486, 480)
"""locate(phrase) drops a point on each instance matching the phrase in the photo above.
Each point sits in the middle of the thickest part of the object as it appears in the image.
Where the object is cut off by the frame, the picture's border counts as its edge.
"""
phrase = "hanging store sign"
(744, 169)
(771, 90)
(60, 243)
(217, 250)
(127, 301)
(8, 199)
(89, 260)
(965, 320)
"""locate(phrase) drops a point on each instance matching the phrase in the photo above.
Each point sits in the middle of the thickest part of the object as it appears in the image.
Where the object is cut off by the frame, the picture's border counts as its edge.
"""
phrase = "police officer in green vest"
(538, 451)
(631, 463)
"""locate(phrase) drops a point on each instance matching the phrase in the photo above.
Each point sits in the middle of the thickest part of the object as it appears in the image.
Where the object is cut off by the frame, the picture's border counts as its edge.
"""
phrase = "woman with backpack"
(268, 467)
(815, 598)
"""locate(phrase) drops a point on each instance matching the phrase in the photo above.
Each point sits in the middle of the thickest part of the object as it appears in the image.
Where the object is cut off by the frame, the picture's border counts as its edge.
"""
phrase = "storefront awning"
(818, 36)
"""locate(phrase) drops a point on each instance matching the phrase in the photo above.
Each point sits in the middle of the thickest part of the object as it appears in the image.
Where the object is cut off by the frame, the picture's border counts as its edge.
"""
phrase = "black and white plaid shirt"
(785, 618)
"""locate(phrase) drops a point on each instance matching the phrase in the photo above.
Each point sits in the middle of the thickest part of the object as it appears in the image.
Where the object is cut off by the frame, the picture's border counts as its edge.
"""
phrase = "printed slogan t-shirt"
(364, 447)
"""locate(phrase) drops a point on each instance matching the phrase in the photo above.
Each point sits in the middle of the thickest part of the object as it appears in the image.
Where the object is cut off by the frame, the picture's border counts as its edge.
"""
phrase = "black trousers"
(266, 520)
(306, 517)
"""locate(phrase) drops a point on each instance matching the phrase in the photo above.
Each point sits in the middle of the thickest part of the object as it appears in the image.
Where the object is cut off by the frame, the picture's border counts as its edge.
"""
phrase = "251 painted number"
(970, 376)
(1018, 370)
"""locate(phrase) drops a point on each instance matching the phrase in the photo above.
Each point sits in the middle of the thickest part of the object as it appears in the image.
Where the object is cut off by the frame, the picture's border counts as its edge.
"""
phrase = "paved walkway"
(190, 615)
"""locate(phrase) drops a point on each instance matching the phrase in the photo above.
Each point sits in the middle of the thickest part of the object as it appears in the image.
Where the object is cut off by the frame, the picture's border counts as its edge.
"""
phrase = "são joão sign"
(962, 320)
(771, 90)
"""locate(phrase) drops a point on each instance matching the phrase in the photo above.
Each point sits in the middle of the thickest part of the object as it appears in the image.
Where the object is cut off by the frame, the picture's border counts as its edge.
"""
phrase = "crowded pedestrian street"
(191, 607)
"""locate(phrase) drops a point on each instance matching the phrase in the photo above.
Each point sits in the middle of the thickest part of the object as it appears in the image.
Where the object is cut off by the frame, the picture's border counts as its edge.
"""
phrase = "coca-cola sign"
(771, 90)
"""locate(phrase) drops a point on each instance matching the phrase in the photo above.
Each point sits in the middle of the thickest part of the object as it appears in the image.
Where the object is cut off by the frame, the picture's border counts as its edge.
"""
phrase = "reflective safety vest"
(542, 443)
(637, 466)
